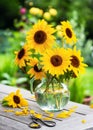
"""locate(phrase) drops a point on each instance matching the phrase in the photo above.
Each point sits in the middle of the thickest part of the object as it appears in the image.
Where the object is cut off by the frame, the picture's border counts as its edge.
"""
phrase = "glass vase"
(53, 96)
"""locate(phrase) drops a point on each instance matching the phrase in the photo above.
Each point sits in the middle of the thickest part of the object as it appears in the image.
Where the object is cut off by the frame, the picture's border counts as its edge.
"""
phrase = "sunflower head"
(22, 56)
(68, 33)
(35, 70)
(77, 66)
(15, 99)
(41, 36)
(56, 61)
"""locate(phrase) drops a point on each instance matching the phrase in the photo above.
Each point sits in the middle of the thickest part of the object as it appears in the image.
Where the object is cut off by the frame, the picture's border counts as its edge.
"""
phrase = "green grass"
(87, 80)
(82, 86)
(7, 65)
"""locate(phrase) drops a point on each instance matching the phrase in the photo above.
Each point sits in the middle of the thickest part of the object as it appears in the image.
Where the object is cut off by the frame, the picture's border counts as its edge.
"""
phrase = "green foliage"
(85, 13)
(16, 40)
(7, 65)
(9, 74)
(10, 41)
(87, 52)
(82, 8)
(13, 81)
(4, 44)
(82, 86)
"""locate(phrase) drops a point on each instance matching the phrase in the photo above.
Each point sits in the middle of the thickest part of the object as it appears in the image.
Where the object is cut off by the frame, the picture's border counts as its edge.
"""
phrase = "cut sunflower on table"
(14, 99)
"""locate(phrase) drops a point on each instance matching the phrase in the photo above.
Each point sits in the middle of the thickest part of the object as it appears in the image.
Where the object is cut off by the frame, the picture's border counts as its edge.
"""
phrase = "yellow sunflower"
(68, 33)
(35, 70)
(15, 99)
(77, 65)
(56, 61)
(40, 36)
(22, 56)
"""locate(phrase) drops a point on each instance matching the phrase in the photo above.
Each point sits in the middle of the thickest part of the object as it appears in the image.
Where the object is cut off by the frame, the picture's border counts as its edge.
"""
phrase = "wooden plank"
(76, 124)
(12, 122)
(82, 109)
(65, 124)
(71, 124)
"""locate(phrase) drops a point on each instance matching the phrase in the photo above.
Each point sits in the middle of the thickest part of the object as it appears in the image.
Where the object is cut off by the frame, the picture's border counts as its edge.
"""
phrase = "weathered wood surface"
(9, 121)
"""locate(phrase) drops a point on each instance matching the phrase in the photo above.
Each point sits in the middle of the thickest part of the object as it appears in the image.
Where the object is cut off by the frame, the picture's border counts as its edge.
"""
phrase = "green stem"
(48, 81)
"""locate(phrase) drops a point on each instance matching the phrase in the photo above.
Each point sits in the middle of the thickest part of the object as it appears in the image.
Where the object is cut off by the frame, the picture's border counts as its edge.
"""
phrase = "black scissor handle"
(47, 123)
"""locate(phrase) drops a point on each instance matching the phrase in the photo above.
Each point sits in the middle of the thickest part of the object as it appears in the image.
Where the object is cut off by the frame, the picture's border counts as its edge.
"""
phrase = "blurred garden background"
(18, 16)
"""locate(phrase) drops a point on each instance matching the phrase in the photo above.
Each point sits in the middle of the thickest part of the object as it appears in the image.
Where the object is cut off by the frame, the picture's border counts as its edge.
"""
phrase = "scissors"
(36, 123)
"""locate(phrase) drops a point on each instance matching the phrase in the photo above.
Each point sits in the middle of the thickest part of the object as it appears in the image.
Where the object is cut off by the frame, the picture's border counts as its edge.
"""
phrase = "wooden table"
(9, 121)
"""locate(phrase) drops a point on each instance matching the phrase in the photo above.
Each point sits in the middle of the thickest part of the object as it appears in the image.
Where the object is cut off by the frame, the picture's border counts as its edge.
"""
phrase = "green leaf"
(5, 103)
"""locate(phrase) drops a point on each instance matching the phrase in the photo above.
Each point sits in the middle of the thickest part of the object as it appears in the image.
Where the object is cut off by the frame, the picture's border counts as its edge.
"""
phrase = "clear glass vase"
(53, 96)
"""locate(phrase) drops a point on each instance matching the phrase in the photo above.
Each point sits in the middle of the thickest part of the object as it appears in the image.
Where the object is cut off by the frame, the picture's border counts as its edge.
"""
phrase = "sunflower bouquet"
(43, 57)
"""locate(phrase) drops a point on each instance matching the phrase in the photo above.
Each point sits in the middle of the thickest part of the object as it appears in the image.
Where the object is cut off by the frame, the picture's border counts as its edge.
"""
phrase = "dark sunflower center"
(68, 32)
(16, 99)
(40, 37)
(21, 53)
(56, 60)
(37, 69)
(75, 62)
